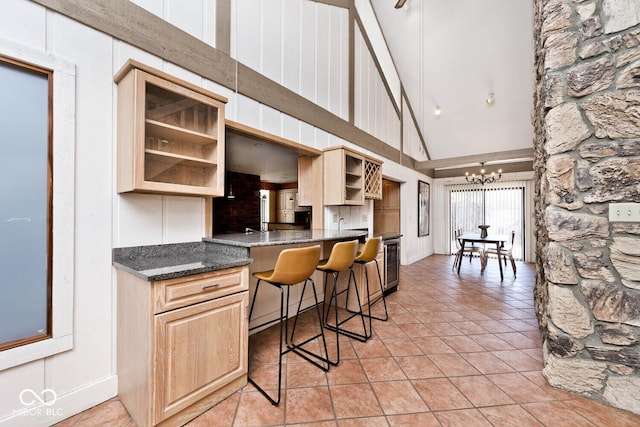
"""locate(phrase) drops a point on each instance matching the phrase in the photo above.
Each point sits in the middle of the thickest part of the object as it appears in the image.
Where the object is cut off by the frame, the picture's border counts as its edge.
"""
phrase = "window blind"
(501, 206)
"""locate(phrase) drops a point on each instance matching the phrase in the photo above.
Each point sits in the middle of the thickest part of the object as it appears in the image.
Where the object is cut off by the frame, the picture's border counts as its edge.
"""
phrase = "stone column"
(587, 154)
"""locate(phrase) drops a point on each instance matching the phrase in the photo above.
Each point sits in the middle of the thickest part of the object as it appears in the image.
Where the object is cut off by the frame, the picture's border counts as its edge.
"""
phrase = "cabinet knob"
(207, 287)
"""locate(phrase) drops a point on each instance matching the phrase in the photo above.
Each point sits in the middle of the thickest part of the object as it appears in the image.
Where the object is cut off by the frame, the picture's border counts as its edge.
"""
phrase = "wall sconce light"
(491, 99)
(437, 111)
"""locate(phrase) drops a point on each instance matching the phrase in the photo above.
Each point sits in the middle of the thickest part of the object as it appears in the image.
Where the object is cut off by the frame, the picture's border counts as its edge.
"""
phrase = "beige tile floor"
(458, 350)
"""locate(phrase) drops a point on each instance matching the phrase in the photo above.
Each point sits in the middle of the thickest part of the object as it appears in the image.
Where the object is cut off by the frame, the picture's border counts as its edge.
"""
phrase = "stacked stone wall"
(587, 154)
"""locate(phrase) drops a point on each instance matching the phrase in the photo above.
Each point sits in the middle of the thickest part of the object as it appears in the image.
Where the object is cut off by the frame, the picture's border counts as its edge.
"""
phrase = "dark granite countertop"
(283, 237)
(170, 261)
(389, 236)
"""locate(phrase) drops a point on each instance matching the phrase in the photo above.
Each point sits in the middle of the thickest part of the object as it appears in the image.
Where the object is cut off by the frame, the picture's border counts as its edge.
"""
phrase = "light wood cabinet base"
(203, 405)
(182, 344)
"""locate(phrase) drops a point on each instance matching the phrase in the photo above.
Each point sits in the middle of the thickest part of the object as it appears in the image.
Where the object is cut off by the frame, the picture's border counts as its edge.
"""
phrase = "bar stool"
(292, 267)
(368, 254)
(341, 259)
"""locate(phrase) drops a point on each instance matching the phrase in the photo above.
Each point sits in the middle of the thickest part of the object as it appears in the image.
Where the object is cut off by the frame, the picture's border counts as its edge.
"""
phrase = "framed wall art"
(423, 208)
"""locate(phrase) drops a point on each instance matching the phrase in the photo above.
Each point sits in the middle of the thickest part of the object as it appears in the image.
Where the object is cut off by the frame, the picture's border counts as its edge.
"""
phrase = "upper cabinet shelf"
(350, 177)
(170, 134)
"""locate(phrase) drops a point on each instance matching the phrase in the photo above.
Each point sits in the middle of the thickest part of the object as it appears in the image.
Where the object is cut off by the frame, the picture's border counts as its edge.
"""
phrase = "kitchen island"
(264, 247)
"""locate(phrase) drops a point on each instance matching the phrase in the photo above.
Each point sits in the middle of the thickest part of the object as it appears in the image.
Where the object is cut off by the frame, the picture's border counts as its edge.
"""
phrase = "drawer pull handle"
(206, 288)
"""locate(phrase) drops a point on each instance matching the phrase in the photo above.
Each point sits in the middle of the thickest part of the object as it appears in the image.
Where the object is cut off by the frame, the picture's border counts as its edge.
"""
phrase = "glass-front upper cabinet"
(170, 134)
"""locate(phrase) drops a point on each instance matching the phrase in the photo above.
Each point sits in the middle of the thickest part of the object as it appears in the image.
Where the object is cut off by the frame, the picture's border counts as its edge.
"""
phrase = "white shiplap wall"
(411, 143)
(302, 45)
(373, 109)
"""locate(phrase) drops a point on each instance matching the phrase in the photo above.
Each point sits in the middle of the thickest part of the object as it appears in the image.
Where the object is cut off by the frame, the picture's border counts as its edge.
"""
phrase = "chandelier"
(483, 179)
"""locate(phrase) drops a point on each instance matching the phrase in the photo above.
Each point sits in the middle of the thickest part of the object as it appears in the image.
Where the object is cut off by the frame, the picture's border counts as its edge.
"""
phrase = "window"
(25, 211)
(502, 208)
(37, 113)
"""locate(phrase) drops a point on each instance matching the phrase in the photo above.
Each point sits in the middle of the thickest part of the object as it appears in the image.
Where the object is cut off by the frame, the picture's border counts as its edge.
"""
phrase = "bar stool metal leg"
(293, 266)
(384, 301)
(273, 401)
(297, 348)
(338, 323)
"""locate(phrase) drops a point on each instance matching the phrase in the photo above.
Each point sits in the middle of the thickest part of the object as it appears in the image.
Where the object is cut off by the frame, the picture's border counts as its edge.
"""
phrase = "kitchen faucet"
(339, 223)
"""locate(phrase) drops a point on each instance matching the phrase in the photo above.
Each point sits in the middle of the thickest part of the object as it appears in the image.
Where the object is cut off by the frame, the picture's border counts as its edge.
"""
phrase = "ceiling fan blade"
(400, 3)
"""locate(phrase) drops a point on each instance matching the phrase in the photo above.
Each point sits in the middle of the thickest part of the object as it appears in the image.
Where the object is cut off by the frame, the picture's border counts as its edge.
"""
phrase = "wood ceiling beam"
(525, 153)
(525, 166)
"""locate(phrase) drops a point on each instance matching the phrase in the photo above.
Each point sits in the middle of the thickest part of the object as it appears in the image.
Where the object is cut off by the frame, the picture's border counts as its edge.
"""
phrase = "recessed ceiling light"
(491, 99)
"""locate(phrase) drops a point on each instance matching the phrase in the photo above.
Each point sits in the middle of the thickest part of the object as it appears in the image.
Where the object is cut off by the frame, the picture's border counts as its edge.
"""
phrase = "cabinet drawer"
(176, 293)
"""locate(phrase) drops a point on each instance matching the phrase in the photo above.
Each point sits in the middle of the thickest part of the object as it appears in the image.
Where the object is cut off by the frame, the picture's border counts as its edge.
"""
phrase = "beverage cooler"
(391, 265)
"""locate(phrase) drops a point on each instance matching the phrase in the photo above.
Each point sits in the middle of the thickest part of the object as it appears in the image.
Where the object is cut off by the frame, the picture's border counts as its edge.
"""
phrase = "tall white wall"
(303, 46)
(411, 142)
(373, 108)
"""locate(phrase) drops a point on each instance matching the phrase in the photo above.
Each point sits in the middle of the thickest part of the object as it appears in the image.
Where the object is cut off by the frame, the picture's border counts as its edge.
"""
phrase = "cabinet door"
(289, 199)
(305, 181)
(288, 216)
(198, 349)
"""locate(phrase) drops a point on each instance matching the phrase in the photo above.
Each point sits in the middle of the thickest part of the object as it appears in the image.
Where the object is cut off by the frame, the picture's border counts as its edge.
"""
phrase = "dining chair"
(469, 248)
(505, 252)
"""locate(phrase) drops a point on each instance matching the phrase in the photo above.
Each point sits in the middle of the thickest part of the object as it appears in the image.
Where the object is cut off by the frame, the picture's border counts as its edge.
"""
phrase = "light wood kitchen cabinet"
(182, 343)
(170, 134)
(386, 212)
(288, 205)
(285, 216)
(287, 199)
(343, 177)
(305, 181)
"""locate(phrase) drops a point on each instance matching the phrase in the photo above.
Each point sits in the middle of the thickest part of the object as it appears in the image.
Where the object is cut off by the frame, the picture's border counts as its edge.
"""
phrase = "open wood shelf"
(163, 130)
(173, 159)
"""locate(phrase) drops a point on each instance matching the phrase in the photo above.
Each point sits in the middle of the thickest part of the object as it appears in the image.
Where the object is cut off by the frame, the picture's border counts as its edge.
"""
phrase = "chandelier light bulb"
(483, 179)
(437, 111)
(491, 99)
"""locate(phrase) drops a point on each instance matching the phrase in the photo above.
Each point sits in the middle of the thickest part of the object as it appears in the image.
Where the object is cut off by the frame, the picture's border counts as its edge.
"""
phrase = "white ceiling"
(452, 54)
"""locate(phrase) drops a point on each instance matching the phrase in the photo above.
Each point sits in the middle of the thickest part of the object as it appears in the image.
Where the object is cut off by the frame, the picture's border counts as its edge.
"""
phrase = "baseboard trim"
(66, 405)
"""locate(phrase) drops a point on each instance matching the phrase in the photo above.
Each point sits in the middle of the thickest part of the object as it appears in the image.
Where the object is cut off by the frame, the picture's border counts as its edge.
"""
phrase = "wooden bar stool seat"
(369, 253)
(293, 266)
(341, 259)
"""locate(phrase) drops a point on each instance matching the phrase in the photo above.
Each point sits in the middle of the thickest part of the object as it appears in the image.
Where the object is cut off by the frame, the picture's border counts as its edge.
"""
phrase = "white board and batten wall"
(300, 57)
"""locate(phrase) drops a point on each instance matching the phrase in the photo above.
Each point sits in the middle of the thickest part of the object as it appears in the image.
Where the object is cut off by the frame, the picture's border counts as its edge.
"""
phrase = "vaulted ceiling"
(451, 55)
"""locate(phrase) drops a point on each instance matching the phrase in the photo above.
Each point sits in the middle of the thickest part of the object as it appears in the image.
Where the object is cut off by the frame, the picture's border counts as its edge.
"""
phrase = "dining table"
(492, 239)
